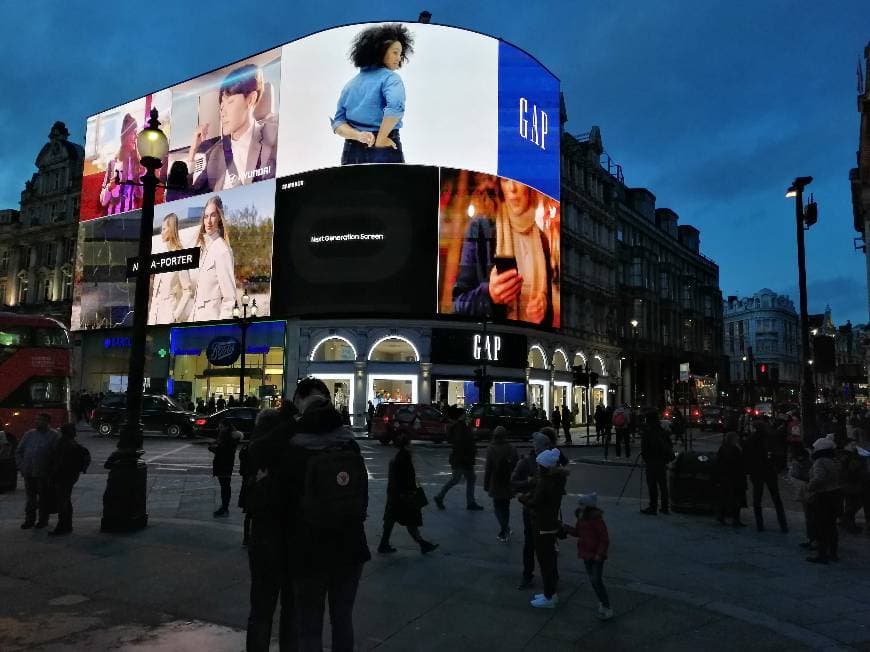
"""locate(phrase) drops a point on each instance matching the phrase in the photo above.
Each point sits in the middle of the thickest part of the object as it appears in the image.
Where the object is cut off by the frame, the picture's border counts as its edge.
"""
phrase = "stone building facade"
(37, 242)
(762, 328)
(626, 261)
(859, 176)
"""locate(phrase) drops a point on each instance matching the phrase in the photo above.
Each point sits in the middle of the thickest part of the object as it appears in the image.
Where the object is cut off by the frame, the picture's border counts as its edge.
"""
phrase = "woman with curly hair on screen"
(371, 105)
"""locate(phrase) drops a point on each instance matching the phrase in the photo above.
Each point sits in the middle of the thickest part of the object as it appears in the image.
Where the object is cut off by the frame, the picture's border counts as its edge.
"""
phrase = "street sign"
(167, 261)
(684, 371)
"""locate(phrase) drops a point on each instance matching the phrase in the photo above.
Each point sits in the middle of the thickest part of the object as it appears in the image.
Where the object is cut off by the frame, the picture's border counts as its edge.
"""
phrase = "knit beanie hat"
(540, 441)
(548, 459)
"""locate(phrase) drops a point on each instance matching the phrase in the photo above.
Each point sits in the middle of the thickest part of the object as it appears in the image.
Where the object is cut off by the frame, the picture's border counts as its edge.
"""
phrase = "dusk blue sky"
(713, 106)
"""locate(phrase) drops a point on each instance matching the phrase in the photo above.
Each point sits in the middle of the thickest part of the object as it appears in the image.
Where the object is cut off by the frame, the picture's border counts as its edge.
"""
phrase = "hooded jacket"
(310, 553)
(593, 539)
(824, 474)
(546, 499)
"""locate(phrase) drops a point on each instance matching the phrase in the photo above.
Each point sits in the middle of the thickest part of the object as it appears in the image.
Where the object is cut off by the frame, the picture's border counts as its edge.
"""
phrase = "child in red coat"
(592, 544)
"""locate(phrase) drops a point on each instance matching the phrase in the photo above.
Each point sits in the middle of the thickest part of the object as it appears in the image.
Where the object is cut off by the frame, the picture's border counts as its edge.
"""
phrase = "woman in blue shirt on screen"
(371, 105)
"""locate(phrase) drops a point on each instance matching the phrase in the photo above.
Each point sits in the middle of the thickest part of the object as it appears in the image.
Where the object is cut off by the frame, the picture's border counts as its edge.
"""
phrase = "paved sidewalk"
(676, 582)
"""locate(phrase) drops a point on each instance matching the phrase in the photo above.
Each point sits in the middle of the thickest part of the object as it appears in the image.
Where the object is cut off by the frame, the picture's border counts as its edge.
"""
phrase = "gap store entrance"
(193, 376)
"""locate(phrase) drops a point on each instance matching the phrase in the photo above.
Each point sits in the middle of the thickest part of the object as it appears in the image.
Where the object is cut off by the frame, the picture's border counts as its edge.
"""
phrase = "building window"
(619, 234)
(3, 291)
(4, 261)
(45, 289)
(22, 288)
(67, 287)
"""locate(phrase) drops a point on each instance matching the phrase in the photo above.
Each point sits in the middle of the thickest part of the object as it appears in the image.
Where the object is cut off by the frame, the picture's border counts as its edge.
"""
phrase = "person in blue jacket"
(372, 104)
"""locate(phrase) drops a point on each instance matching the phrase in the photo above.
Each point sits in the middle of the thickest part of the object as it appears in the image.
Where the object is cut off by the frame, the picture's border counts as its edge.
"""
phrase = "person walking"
(657, 452)
(522, 482)
(405, 499)
(760, 465)
(731, 480)
(370, 417)
(266, 505)
(224, 450)
(556, 419)
(621, 421)
(463, 454)
(678, 426)
(33, 457)
(328, 498)
(544, 502)
(68, 460)
(567, 419)
(593, 542)
(824, 497)
(599, 423)
(501, 458)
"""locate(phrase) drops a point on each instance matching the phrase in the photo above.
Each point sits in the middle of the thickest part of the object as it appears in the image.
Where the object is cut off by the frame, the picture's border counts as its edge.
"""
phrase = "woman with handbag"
(405, 499)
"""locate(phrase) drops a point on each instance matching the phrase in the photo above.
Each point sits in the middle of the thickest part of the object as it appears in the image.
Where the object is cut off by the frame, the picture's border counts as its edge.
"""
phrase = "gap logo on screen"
(528, 121)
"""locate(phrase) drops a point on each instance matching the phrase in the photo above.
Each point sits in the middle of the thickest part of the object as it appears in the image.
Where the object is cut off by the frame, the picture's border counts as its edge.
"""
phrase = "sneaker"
(649, 510)
(220, 512)
(27, 525)
(427, 547)
(475, 508)
(605, 613)
(501, 538)
(526, 583)
(41, 524)
(439, 502)
(543, 603)
(386, 549)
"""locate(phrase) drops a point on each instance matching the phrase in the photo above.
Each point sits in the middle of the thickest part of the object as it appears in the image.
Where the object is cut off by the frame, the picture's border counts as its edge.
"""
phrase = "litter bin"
(693, 483)
(8, 469)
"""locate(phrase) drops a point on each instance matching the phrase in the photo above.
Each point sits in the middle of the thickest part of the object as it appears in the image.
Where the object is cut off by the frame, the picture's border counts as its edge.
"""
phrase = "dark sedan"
(241, 418)
(517, 420)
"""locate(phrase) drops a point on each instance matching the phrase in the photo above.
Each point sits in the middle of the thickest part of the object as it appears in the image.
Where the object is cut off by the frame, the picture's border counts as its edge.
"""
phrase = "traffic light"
(581, 378)
(762, 373)
(593, 378)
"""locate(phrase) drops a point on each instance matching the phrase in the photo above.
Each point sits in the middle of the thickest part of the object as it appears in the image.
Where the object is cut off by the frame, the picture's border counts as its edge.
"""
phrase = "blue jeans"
(595, 570)
(458, 474)
(356, 153)
(502, 509)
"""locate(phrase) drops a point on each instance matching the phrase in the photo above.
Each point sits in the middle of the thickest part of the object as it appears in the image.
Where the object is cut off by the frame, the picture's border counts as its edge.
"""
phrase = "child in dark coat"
(592, 544)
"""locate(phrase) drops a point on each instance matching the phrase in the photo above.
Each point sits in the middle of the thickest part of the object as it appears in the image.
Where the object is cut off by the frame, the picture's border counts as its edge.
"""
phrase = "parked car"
(712, 418)
(416, 420)
(241, 418)
(764, 410)
(159, 413)
(516, 419)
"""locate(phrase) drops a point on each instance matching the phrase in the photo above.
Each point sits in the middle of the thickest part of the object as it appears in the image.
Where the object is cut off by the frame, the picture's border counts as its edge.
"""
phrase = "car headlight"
(191, 419)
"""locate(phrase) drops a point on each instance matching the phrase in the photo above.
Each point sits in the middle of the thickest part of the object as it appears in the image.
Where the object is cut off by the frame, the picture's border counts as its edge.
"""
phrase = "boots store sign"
(476, 347)
(223, 351)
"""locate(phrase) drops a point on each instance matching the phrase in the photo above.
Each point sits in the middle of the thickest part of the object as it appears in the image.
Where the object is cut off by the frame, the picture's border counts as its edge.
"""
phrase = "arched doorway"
(397, 378)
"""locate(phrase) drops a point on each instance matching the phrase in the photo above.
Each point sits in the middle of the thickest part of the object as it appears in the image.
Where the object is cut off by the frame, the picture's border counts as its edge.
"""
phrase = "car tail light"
(200, 422)
(477, 422)
(386, 419)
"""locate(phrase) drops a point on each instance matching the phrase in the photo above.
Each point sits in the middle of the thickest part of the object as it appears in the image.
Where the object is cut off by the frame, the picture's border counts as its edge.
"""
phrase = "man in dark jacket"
(656, 450)
(566, 423)
(522, 482)
(501, 458)
(759, 462)
(325, 560)
(544, 502)
(68, 460)
(266, 489)
(462, 458)
(224, 450)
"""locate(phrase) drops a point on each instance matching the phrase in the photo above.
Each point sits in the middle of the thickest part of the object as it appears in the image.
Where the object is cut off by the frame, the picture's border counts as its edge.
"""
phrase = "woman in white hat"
(824, 497)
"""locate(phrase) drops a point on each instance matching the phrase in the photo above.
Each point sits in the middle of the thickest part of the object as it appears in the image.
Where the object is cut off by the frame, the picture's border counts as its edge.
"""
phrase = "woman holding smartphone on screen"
(172, 294)
(504, 268)
(216, 284)
(371, 105)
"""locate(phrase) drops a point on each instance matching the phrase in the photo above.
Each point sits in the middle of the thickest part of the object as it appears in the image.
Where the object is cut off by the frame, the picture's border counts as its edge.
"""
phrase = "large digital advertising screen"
(351, 166)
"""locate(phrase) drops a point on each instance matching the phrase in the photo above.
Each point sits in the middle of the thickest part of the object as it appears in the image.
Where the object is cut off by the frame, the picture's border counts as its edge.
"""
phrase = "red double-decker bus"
(34, 371)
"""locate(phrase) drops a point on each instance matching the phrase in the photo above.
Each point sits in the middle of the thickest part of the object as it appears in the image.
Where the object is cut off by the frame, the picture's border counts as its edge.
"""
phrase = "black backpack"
(84, 458)
(336, 488)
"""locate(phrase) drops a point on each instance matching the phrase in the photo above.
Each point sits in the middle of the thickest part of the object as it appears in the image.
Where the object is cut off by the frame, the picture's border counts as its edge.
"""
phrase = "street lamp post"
(807, 397)
(241, 316)
(634, 324)
(124, 498)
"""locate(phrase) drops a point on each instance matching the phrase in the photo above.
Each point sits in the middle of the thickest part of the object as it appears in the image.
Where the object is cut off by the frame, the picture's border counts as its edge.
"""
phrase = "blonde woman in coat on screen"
(216, 284)
(172, 294)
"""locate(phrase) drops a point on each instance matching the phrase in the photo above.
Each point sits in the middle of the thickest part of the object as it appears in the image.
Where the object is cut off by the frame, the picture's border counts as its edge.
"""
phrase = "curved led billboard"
(364, 152)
